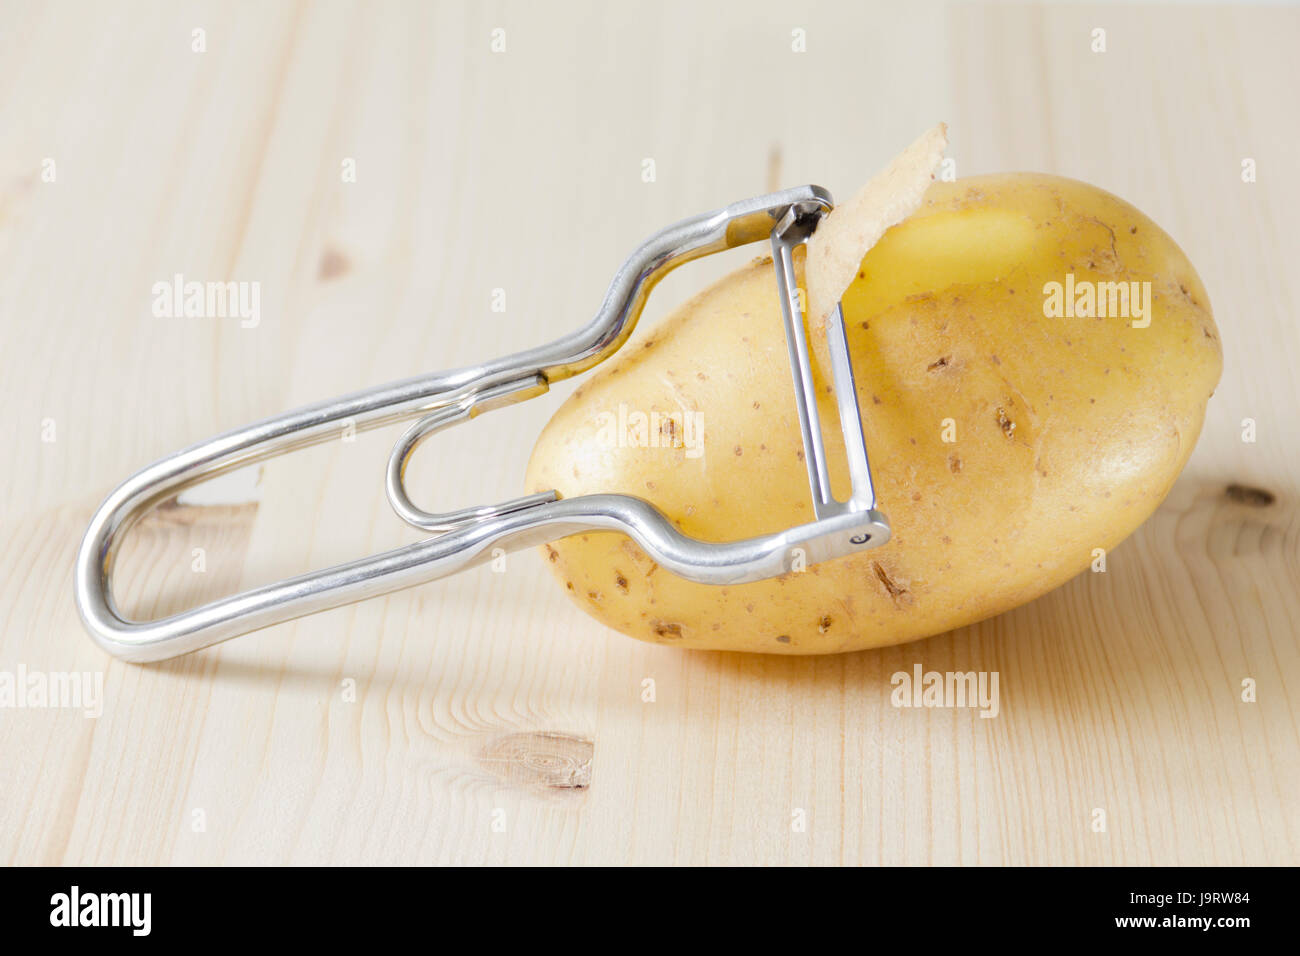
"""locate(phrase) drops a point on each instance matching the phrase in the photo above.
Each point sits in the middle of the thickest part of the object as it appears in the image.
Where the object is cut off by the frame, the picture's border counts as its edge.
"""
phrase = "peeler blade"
(793, 231)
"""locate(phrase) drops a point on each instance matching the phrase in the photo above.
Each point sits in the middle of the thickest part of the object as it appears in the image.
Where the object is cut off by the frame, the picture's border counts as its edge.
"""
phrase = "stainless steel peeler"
(468, 536)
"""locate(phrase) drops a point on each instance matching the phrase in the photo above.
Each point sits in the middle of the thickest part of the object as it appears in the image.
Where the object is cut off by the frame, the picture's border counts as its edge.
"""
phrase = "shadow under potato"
(1177, 586)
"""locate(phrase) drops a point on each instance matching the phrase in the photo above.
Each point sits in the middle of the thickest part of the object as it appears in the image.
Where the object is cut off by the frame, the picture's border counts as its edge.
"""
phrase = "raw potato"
(1068, 432)
(852, 228)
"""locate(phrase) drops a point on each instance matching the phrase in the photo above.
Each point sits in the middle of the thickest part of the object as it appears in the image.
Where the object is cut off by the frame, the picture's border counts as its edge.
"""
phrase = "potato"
(1011, 433)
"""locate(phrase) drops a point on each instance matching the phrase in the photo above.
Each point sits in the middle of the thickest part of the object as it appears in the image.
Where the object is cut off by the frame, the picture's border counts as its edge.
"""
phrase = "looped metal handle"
(471, 406)
(469, 534)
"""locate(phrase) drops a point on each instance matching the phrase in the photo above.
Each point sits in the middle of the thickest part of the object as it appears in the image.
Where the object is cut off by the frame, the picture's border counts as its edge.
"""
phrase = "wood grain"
(484, 719)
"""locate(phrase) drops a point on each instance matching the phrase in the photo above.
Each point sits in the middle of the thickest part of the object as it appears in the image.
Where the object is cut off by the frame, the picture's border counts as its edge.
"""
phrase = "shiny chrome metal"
(474, 404)
(795, 229)
(468, 536)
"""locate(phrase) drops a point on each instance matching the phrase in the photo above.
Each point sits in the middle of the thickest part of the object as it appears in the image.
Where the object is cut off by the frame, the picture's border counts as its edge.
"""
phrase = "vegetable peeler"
(468, 536)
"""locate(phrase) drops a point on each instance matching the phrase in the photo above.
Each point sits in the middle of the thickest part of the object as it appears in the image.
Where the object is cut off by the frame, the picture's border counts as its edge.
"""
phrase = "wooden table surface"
(485, 718)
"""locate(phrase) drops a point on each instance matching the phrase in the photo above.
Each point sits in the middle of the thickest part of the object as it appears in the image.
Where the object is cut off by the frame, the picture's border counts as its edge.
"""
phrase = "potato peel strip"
(836, 249)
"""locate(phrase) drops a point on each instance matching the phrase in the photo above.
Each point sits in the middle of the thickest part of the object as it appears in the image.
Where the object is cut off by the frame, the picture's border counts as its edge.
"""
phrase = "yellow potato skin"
(1068, 431)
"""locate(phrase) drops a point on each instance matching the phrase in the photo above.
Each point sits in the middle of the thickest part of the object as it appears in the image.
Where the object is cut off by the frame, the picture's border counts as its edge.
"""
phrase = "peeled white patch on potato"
(836, 249)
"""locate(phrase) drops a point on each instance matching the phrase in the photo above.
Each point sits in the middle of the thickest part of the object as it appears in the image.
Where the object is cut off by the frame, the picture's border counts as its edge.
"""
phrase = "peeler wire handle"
(473, 405)
(468, 535)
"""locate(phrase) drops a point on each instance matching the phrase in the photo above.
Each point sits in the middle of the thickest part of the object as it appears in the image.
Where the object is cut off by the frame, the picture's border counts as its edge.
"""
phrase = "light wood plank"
(488, 697)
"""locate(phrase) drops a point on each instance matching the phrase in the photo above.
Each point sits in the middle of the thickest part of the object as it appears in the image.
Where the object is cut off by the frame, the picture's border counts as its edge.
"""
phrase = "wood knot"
(1252, 497)
(333, 264)
(541, 760)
